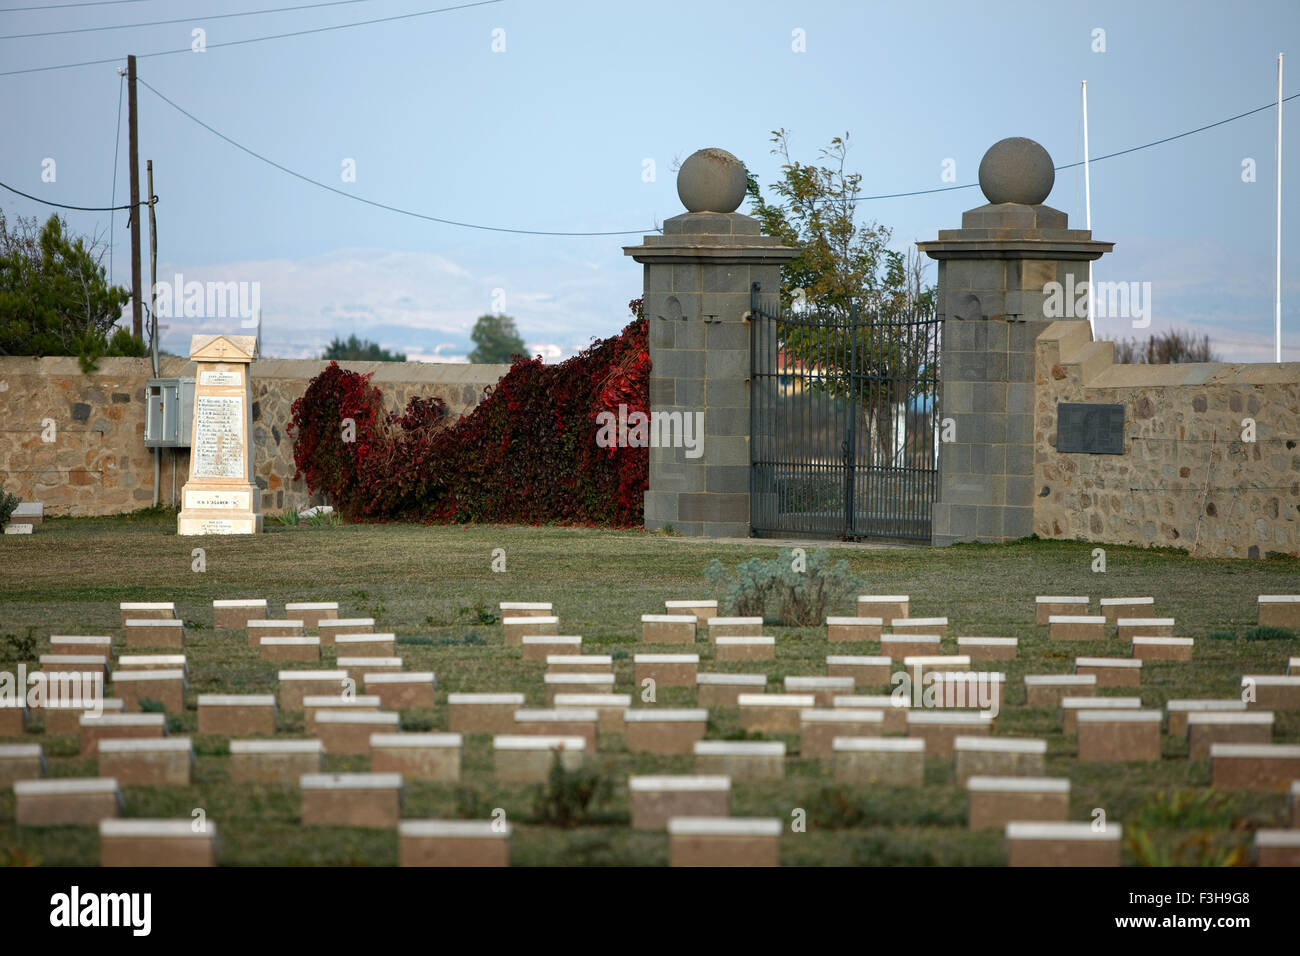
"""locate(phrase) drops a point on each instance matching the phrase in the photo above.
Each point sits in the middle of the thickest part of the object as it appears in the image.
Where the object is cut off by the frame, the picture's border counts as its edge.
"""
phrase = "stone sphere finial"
(1016, 170)
(711, 180)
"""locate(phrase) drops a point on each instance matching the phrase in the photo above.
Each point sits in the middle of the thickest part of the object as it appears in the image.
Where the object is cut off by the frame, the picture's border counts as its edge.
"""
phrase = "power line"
(65, 66)
(193, 19)
(1094, 159)
(371, 202)
(65, 205)
(277, 36)
(1169, 139)
(450, 222)
(65, 6)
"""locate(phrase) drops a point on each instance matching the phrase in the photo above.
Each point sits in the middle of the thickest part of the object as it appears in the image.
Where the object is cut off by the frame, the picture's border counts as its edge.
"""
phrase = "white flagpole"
(1277, 275)
(1087, 200)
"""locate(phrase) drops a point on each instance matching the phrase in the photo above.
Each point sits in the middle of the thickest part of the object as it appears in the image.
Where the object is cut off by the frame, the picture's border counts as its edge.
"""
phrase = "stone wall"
(1186, 478)
(98, 463)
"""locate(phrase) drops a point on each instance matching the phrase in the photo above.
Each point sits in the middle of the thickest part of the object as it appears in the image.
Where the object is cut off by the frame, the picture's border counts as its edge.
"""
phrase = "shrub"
(526, 453)
(801, 590)
(1199, 849)
(1186, 810)
(331, 465)
(1270, 634)
(471, 639)
(481, 613)
(570, 797)
(1223, 635)
(748, 592)
(18, 649)
(843, 808)
(8, 502)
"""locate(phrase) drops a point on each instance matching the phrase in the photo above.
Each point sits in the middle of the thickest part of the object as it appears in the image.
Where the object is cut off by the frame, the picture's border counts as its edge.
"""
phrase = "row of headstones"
(133, 749)
(668, 669)
(164, 677)
(521, 701)
(1108, 728)
(564, 652)
(1107, 735)
(375, 652)
(1104, 736)
(1069, 617)
(298, 636)
(695, 811)
(851, 737)
(1151, 638)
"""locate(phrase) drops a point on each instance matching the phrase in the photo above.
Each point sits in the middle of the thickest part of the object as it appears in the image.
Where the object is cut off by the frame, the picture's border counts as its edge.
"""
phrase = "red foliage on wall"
(326, 451)
(526, 454)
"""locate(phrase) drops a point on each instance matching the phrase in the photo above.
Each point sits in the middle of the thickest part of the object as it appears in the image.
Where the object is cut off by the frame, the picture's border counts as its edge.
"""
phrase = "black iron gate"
(844, 421)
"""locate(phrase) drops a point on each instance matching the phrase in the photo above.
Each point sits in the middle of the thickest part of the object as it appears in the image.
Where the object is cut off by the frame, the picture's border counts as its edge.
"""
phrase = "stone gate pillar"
(698, 276)
(994, 276)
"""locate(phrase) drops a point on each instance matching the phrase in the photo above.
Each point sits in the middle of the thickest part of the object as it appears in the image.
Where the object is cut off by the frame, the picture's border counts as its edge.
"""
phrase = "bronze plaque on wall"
(1090, 429)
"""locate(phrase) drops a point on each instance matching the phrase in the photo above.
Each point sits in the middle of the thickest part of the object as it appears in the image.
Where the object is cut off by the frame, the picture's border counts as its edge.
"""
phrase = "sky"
(547, 115)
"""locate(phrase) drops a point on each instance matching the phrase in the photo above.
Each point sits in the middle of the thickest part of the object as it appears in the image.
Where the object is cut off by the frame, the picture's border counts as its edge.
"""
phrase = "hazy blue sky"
(552, 134)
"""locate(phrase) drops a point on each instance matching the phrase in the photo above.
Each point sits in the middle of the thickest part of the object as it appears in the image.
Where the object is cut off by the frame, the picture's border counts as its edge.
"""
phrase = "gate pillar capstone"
(698, 276)
(993, 281)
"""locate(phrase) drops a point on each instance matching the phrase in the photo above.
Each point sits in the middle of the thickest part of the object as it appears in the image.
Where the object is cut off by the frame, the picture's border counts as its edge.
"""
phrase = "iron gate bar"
(814, 374)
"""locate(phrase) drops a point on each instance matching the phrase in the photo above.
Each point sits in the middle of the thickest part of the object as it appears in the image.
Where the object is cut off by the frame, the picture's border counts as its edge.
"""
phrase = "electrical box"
(170, 412)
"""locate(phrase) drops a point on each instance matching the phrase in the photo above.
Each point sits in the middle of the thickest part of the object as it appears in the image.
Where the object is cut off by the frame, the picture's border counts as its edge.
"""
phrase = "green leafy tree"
(841, 263)
(55, 297)
(845, 272)
(496, 340)
(359, 350)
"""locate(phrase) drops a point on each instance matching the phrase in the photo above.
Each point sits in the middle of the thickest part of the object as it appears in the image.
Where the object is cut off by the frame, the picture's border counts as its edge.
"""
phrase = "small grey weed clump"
(799, 588)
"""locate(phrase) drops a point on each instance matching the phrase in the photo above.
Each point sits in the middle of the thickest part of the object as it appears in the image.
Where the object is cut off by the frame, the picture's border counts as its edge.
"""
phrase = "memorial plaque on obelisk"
(220, 497)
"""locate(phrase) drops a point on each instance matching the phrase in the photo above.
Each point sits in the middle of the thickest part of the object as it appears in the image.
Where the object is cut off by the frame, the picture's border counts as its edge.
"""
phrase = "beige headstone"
(220, 497)
(1264, 767)
(724, 841)
(1054, 843)
(156, 843)
(997, 801)
(454, 843)
(66, 801)
(656, 800)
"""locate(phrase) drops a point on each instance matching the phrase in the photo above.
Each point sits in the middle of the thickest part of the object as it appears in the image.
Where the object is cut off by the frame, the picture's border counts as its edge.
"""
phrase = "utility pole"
(1277, 274)
(153, 276)
(137, 293)
(153, 323)
(1087, 200)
